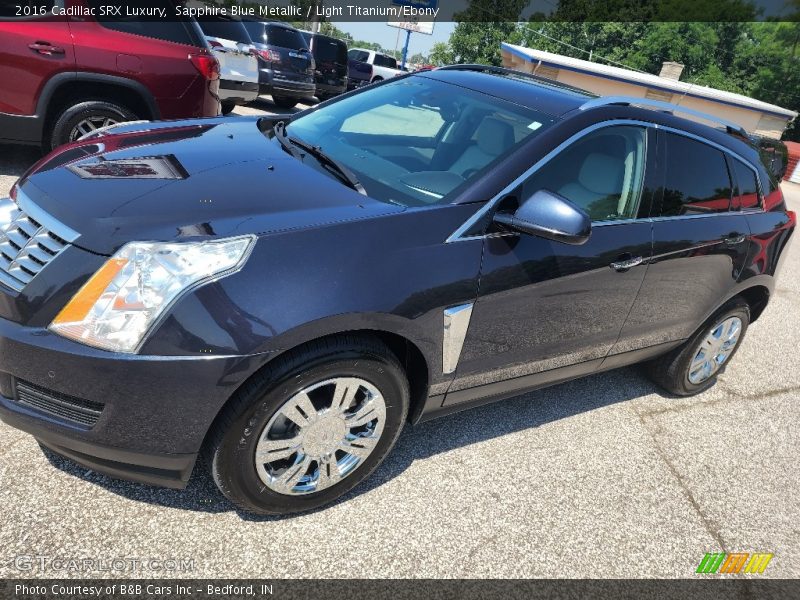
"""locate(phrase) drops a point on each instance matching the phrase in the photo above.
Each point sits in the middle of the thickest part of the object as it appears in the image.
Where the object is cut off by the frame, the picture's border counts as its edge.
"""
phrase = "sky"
(381, 33)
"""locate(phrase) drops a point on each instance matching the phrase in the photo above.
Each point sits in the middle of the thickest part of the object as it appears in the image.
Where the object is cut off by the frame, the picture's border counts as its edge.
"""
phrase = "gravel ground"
(601, 477)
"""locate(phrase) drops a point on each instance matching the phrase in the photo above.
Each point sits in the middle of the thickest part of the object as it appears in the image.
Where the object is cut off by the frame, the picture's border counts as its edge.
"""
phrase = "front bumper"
(153, 411)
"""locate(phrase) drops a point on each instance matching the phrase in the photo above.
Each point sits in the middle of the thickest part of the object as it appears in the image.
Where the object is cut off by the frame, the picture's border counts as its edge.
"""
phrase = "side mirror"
(547, 215)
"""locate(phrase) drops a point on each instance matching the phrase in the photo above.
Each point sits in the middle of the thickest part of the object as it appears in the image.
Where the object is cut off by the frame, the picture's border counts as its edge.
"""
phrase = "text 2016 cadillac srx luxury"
(282, 296)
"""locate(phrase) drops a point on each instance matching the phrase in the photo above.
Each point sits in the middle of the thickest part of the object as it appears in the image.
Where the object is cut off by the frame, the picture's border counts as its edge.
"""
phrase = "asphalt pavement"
(600, 477)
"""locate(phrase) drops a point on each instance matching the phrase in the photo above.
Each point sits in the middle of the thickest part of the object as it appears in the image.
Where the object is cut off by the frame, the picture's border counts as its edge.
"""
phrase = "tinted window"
(697, 180)
(172, 30)
(256, 31)
(359, 55)
(382, 60)
(601, 172)
(285, 38)
(226, 29)
(329, 50)
(747, 186)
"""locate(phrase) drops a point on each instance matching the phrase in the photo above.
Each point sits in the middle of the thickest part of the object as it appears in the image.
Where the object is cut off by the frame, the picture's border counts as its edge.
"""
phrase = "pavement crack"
(710, 528)
(730, 396)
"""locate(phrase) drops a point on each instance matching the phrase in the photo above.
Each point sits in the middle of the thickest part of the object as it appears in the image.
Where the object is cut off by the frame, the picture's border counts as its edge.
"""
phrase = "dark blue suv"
(282, 296)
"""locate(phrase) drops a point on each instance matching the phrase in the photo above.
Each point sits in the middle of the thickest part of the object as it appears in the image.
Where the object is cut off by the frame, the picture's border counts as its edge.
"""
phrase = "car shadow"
(418, 442)
(15, 160)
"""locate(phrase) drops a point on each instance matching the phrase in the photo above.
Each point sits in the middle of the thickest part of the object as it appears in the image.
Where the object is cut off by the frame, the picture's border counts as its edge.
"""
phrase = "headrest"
(602, 174)
(494, 136)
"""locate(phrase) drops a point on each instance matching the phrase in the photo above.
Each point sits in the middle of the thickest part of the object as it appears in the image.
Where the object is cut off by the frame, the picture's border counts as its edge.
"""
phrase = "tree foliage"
(757, 59)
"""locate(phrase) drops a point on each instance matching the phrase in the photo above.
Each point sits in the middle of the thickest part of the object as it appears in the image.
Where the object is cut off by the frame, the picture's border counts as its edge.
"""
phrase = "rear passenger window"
(747, 186)
(173, 29)
(697, 180)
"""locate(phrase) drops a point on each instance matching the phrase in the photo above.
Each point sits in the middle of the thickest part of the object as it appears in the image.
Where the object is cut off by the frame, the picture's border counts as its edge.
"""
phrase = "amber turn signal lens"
(78, 308)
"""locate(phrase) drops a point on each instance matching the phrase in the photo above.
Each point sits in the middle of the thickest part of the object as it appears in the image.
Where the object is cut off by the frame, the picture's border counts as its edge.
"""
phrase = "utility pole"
(405, 49)
(315, 20)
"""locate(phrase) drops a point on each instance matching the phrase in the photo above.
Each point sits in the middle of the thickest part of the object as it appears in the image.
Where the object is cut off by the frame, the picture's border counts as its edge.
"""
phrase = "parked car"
(286, 67)
(197, 299)
(359, 74)
(232, 45)
(330, 58)
(63, 78)
(383, 65)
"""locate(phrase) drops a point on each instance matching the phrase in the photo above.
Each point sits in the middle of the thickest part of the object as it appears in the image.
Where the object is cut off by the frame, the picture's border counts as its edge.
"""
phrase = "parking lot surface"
(601, 477)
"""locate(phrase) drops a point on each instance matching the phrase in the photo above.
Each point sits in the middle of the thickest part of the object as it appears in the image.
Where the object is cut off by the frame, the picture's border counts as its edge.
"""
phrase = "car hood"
(185, 180)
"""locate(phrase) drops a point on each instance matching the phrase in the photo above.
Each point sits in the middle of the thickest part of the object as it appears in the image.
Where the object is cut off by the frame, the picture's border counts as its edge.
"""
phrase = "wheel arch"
(408, 353)
(757, 297)
(66, 87)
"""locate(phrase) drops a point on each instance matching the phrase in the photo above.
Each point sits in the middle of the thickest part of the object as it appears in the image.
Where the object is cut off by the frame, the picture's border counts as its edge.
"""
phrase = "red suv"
(65, 76)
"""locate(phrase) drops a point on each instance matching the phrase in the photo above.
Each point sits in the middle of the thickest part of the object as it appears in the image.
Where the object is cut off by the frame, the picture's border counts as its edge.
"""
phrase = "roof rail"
(523, 74)
(730, 126)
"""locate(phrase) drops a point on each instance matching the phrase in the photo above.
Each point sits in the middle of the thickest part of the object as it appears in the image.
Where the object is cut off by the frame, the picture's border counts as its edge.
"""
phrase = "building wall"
(753, 121)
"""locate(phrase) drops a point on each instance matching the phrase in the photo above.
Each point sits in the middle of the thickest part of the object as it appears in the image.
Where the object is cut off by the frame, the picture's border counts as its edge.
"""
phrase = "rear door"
(699, 245)
(33, 49)
(296, 61)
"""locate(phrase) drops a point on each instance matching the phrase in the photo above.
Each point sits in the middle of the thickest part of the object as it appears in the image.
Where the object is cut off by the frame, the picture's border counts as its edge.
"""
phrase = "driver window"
(601, 172)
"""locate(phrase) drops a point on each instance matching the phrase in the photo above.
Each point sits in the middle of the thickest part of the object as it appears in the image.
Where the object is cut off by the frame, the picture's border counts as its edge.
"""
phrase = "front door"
(547, 310)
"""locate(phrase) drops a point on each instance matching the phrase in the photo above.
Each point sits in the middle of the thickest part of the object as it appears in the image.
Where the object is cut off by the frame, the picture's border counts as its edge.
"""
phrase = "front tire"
(83, 118)
(694, 366)
(310, 427)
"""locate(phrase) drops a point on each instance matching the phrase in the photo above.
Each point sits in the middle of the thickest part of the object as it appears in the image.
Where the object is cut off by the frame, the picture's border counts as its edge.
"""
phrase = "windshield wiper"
(338, 169)
(283, 140)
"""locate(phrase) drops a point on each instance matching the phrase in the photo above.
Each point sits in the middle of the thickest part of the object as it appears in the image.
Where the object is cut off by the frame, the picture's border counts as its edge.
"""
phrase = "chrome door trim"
(458, 234)
(456, 323)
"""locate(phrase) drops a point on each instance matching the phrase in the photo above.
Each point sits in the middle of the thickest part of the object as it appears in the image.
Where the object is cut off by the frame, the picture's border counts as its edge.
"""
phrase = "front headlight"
(119, 304)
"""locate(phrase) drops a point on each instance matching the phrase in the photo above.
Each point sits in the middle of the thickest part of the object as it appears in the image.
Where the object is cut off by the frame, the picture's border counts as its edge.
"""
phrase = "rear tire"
(285, 101)
(82, 118)
(226, 107)
(675, 371)
(376, 79)
(256, 419)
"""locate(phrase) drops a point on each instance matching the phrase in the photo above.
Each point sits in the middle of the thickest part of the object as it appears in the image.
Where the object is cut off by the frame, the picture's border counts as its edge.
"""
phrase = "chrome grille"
(26, 245)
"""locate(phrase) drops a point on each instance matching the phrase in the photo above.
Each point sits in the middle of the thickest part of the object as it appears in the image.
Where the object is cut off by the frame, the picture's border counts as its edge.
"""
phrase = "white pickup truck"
(383, 65)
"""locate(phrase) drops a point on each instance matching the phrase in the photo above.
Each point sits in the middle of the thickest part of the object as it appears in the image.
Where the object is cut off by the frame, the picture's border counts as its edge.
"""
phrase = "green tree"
(441, 54)
(481, 27)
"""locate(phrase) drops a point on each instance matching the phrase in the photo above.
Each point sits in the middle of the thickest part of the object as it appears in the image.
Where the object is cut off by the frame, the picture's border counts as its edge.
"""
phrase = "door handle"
(734, 238)
(627, 263)
(46, 48)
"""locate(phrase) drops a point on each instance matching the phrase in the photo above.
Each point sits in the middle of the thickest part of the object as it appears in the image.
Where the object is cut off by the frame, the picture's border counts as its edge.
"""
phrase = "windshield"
(417, 141)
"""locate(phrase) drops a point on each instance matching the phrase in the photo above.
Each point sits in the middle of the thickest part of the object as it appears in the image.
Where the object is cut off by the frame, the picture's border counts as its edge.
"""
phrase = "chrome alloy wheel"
(320, 436)
(89, 125)
(716, 348)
